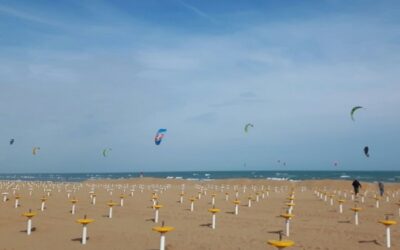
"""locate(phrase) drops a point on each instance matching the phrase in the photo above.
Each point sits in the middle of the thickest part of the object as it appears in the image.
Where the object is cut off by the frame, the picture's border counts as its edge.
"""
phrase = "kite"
(159, 136)
(11, 141)
(366, 151)
(105, 151)
(335, 163)
(35, 150)
(246, 128)
(354, 110)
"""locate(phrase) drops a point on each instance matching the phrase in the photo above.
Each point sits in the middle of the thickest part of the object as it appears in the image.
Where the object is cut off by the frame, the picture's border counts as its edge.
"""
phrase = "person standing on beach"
(356, 185)
(381, 188)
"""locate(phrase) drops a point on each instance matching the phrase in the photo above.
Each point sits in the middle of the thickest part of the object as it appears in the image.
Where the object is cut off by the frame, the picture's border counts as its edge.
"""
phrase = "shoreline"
(364, 176)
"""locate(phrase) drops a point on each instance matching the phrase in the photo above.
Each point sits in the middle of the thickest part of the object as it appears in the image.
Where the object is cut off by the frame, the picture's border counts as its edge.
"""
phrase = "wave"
(277, 179)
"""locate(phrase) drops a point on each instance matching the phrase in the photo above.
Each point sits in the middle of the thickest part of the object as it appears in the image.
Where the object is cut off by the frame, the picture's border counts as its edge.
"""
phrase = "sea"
(365, 176)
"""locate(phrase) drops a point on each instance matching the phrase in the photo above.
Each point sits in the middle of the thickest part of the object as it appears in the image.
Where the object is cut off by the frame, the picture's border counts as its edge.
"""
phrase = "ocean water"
(366, 176)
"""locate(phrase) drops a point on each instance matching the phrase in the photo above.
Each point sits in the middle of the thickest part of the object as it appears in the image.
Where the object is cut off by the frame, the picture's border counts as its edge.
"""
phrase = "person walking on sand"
(381, 188)
(356, 185)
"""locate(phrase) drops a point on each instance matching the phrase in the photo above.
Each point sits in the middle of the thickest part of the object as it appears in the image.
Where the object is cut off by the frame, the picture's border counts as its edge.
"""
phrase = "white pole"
(4, 198)
(28, 230)
(162, 242)
(287, 227)
(356, 218)
(84, 235)
(156, 216)
(236, 209)
(42, 207)
(191, 206)
(73, 209)
(181, 200)
(249, 203)
(213, 221)
(341, 208)
(388, 237)
(213, 201)
(377, 204)
(122, 202)
(110, 213)
(94, 200)
(16, 203)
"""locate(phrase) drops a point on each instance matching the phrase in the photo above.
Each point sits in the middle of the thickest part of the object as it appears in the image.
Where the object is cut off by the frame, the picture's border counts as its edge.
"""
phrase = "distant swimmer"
(356, 185)
(381, 188)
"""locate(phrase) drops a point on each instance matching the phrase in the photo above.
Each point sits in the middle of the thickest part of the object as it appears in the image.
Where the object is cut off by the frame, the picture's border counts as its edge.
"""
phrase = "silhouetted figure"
(356, 185)
(381, 188)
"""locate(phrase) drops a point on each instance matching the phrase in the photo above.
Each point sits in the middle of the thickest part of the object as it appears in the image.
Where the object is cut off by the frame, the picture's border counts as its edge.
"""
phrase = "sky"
(80, 76)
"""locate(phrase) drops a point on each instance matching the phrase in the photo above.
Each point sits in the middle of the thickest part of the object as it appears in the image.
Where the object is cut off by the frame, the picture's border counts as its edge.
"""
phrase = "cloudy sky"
(80, 76)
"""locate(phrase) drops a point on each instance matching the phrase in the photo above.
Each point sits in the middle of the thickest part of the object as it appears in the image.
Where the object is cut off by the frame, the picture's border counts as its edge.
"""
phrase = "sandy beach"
(315, 225)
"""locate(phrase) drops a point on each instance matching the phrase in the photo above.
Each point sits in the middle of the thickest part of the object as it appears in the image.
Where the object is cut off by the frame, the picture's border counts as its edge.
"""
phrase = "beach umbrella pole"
(213, 221)
(356, 218)
(29, 227)
(388, 237)
(287, 224)
(156, 216)
(162, 242)
(84, 234)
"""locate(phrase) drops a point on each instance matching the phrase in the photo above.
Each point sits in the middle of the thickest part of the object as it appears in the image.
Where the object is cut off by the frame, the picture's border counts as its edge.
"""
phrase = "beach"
(316, 224)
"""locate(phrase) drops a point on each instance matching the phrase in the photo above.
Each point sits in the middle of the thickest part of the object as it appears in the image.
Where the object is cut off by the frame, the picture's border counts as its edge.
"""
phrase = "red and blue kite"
(159, 136)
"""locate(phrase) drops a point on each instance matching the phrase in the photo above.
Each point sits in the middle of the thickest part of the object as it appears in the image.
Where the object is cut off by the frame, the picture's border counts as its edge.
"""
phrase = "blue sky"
(80, 76)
